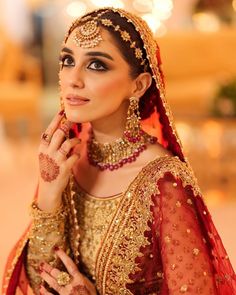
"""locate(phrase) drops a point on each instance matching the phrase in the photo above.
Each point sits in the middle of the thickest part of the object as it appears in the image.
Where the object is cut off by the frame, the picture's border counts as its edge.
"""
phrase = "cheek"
(112, 85)
(61, 83)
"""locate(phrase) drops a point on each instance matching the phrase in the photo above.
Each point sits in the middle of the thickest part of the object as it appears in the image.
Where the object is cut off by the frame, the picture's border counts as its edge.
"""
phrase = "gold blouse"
(131, 236)
(94, 217)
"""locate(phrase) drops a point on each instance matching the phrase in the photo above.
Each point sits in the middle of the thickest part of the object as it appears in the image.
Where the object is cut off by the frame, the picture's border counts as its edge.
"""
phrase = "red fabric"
(18, 277)
(170, 219)
(177, 231)
(181, 233)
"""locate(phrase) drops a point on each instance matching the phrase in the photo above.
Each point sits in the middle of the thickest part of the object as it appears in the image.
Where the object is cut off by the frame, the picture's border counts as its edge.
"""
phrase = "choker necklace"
(112, 156)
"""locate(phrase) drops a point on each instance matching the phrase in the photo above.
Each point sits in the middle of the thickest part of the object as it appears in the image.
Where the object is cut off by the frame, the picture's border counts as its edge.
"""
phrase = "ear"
(141, 84)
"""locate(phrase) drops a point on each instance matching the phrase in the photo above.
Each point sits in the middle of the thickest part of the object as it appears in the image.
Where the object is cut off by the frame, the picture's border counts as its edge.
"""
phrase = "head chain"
(88, 34)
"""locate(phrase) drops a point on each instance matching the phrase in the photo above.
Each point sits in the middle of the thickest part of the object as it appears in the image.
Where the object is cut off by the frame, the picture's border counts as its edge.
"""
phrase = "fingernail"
(55, 248)
(62, 112)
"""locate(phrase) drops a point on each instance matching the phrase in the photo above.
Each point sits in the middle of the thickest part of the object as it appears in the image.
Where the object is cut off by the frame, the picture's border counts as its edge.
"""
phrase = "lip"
(76, 100)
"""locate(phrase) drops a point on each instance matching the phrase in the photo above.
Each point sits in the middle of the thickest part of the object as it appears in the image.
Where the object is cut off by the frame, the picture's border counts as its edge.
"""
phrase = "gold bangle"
(37, 213)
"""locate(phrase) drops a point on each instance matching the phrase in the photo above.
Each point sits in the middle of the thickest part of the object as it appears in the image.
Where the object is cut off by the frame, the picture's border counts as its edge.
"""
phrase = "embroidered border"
(126, 232)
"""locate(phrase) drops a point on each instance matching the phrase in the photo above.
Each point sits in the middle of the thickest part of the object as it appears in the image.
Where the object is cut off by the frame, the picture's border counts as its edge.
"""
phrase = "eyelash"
(62, 60)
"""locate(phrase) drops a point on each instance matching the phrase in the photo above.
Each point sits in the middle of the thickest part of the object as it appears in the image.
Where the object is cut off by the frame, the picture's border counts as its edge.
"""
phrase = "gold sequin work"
(94, 217)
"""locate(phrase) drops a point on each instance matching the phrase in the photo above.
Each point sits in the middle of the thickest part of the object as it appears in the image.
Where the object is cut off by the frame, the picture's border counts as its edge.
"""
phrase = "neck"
(112, 127)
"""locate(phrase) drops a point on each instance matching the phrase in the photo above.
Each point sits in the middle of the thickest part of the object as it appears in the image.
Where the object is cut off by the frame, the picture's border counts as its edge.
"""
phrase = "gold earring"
(132, 128)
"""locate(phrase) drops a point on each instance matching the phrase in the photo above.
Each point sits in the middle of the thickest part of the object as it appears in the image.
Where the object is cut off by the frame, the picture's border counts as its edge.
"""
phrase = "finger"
(80, 289)
(54, 272)
(60, 135)
(43, 291)
(54, 124)
(67, 146)
(50, 280)
(72, 160)
(69, 263)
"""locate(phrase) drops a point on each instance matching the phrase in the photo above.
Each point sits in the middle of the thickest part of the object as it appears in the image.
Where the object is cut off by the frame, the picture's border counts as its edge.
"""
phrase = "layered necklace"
(114, 155)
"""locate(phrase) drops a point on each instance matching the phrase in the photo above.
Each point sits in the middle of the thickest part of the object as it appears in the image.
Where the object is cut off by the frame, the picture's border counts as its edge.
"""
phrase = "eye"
(66, 61)
(97, 65)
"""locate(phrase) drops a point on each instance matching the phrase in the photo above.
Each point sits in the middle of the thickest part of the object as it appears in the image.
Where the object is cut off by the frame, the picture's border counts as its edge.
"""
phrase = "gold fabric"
(94, 216)
(47, 230)
(113, 231)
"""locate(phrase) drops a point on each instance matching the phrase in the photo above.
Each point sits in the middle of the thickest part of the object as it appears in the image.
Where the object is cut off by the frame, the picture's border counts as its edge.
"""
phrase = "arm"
(56, 159)
(185, 255)
(47, 230)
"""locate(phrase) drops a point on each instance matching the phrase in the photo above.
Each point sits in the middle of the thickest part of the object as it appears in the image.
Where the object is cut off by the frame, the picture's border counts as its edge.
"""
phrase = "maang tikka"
(88, 34)
(124, 150)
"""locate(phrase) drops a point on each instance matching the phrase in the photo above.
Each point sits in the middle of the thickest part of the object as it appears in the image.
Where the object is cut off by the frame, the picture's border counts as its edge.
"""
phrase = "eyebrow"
(90, 53)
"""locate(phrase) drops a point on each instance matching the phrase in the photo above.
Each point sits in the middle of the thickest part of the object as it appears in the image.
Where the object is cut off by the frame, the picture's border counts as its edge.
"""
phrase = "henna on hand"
(79, 290)
(49, 170)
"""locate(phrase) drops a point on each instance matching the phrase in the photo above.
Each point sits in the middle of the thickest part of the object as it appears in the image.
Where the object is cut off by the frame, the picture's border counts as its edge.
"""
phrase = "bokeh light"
(143, 6)
(76, 8)
(163, 9)
(234, 4)
(206, 22)
(106, 3)
(153, 22)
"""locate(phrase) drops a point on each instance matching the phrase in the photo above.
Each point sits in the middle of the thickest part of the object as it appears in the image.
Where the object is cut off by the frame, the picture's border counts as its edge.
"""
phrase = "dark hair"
(148, 100)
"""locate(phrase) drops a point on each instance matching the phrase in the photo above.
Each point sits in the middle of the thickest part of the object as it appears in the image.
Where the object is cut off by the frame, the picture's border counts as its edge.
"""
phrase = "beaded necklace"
(114, 155)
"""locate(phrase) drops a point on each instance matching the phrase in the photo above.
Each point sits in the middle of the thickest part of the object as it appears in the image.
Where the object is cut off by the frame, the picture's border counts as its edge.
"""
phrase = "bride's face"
(94, 81)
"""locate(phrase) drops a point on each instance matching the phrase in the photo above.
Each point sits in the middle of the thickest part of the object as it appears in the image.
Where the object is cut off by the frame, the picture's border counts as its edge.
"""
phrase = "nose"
(76, 79)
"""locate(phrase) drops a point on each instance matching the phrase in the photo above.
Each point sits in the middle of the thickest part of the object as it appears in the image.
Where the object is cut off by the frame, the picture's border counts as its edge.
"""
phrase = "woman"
(130, 218)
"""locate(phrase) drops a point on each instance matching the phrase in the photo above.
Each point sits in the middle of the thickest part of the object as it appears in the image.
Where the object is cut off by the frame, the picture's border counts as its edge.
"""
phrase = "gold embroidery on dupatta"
(125, 236)
(151, 48)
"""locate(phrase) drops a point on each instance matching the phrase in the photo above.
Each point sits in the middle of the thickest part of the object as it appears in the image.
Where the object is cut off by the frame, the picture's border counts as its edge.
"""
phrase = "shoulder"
(171, 169)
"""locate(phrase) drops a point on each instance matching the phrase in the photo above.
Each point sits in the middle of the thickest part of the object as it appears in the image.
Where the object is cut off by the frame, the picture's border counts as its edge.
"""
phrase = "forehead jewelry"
(88, 34)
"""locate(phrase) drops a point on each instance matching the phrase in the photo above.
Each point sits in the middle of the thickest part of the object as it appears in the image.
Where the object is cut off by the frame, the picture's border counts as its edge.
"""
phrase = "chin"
(75, 116)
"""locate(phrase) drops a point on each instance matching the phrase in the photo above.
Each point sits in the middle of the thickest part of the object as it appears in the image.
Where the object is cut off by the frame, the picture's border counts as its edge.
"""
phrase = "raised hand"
(55, 162)
(71, 283)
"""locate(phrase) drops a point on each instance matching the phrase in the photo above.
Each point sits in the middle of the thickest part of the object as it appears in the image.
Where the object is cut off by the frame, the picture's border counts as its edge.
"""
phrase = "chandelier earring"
(133, 130)
(61, 99)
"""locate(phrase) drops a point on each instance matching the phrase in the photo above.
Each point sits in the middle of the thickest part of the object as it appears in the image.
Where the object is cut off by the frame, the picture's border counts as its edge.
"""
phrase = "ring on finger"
(62, 151)
(64, 129)
(46, 137)
(63, 278)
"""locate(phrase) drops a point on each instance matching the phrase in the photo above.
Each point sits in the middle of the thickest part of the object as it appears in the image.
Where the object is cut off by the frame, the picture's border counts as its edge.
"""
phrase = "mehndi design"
(49, 169)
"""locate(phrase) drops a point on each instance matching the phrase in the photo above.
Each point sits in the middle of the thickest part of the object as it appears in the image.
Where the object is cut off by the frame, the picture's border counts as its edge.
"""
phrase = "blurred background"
(198, 45)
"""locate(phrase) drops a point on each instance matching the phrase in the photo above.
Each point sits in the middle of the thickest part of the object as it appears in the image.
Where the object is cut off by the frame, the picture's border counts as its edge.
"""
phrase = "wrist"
(48, 200)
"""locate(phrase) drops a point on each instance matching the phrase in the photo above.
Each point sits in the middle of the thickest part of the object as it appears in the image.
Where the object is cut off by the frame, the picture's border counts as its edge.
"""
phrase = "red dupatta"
(160, 124)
